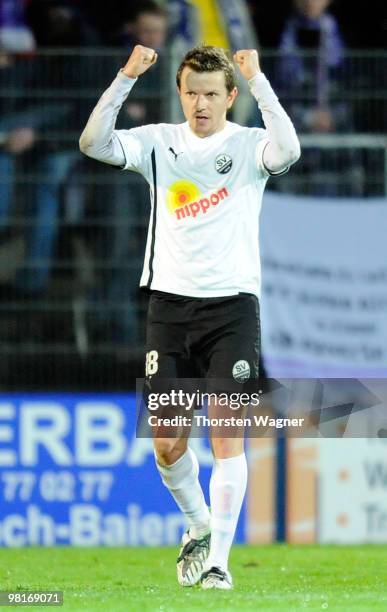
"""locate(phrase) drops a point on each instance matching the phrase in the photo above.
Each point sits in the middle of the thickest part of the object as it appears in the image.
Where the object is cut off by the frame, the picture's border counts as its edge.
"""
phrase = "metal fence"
(72, 231)
(339, 165)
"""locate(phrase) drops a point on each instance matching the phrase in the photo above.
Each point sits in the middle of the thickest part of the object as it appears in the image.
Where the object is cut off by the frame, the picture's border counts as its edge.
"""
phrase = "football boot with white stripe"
(191, 559)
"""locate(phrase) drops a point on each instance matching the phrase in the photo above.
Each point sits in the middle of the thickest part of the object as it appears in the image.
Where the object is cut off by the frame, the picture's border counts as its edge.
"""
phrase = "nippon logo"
(193, 209)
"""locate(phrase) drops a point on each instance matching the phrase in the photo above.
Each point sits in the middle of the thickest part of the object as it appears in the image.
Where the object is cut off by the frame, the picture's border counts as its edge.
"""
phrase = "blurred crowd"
(48, 200)
(96, 22)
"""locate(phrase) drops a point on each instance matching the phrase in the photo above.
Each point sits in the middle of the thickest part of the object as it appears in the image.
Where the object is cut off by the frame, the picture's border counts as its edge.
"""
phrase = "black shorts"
(203, 338)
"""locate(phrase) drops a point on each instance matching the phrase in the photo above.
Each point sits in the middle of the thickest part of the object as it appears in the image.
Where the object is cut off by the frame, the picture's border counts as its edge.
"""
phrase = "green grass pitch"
(276, 577)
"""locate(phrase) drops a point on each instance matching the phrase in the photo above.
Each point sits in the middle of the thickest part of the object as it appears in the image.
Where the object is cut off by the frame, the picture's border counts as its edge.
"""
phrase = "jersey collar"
(204, 142)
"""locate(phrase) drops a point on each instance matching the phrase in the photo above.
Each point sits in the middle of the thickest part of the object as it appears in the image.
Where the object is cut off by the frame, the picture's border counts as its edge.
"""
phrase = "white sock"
(227, 490)
(181, 478)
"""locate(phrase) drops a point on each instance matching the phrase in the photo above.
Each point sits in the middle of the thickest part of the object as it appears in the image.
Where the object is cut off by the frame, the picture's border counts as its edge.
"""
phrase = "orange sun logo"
(180, 193)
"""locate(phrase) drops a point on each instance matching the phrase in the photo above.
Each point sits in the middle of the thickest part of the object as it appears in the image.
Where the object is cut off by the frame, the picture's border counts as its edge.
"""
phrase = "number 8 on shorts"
(151, 363)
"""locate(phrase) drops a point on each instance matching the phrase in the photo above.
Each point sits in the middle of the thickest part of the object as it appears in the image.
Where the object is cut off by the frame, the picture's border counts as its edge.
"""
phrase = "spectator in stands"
(311, 28)
(146, 24)
(113, 302)
(50, 158)
(18, 122)
(15, 34)
(310, 80)
(60, 23)
(17, 135)
(17, 126)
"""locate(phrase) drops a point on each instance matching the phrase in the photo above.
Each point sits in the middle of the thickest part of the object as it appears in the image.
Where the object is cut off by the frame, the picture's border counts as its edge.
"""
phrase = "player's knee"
(168, 450)
(163, 447)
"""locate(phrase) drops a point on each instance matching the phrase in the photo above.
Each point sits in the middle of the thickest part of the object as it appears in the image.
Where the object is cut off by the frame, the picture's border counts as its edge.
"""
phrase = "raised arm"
(99, 140)
(283, 148)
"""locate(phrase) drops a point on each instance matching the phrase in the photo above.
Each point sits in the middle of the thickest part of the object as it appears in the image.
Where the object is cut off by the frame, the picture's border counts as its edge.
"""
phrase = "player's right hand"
(140, 60)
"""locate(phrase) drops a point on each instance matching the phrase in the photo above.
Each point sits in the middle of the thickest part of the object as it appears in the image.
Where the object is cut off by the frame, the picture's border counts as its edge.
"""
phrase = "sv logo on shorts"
(241, 370)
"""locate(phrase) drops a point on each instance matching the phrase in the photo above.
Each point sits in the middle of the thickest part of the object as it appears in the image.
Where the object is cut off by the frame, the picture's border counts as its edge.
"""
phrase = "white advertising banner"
(352, 491)
(324, 287)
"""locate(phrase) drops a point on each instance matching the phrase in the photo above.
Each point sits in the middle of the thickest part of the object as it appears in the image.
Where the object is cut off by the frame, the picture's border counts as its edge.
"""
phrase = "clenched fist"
(248, 62)
(140, 60)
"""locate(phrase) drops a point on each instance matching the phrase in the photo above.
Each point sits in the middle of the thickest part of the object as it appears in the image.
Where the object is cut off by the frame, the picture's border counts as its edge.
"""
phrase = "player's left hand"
(248, 62)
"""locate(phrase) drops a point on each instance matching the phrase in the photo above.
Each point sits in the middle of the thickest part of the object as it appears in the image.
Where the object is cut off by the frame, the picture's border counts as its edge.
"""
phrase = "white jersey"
(206, 195)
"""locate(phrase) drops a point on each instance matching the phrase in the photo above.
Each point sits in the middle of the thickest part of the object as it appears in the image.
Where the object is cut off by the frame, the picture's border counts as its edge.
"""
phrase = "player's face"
(205, 100)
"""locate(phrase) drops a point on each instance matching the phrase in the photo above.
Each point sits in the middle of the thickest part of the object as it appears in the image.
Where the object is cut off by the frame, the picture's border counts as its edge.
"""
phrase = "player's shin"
(182, 480)
(227, 491)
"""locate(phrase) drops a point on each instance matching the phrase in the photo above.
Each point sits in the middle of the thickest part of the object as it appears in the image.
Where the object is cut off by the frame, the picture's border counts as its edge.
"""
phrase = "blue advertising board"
(73, 472)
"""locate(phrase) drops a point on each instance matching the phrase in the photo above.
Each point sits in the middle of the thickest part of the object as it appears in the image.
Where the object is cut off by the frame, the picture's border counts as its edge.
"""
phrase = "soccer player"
(206, 179)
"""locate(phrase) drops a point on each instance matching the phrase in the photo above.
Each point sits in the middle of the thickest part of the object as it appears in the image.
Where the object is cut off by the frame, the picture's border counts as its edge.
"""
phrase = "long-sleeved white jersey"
(206, 193)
